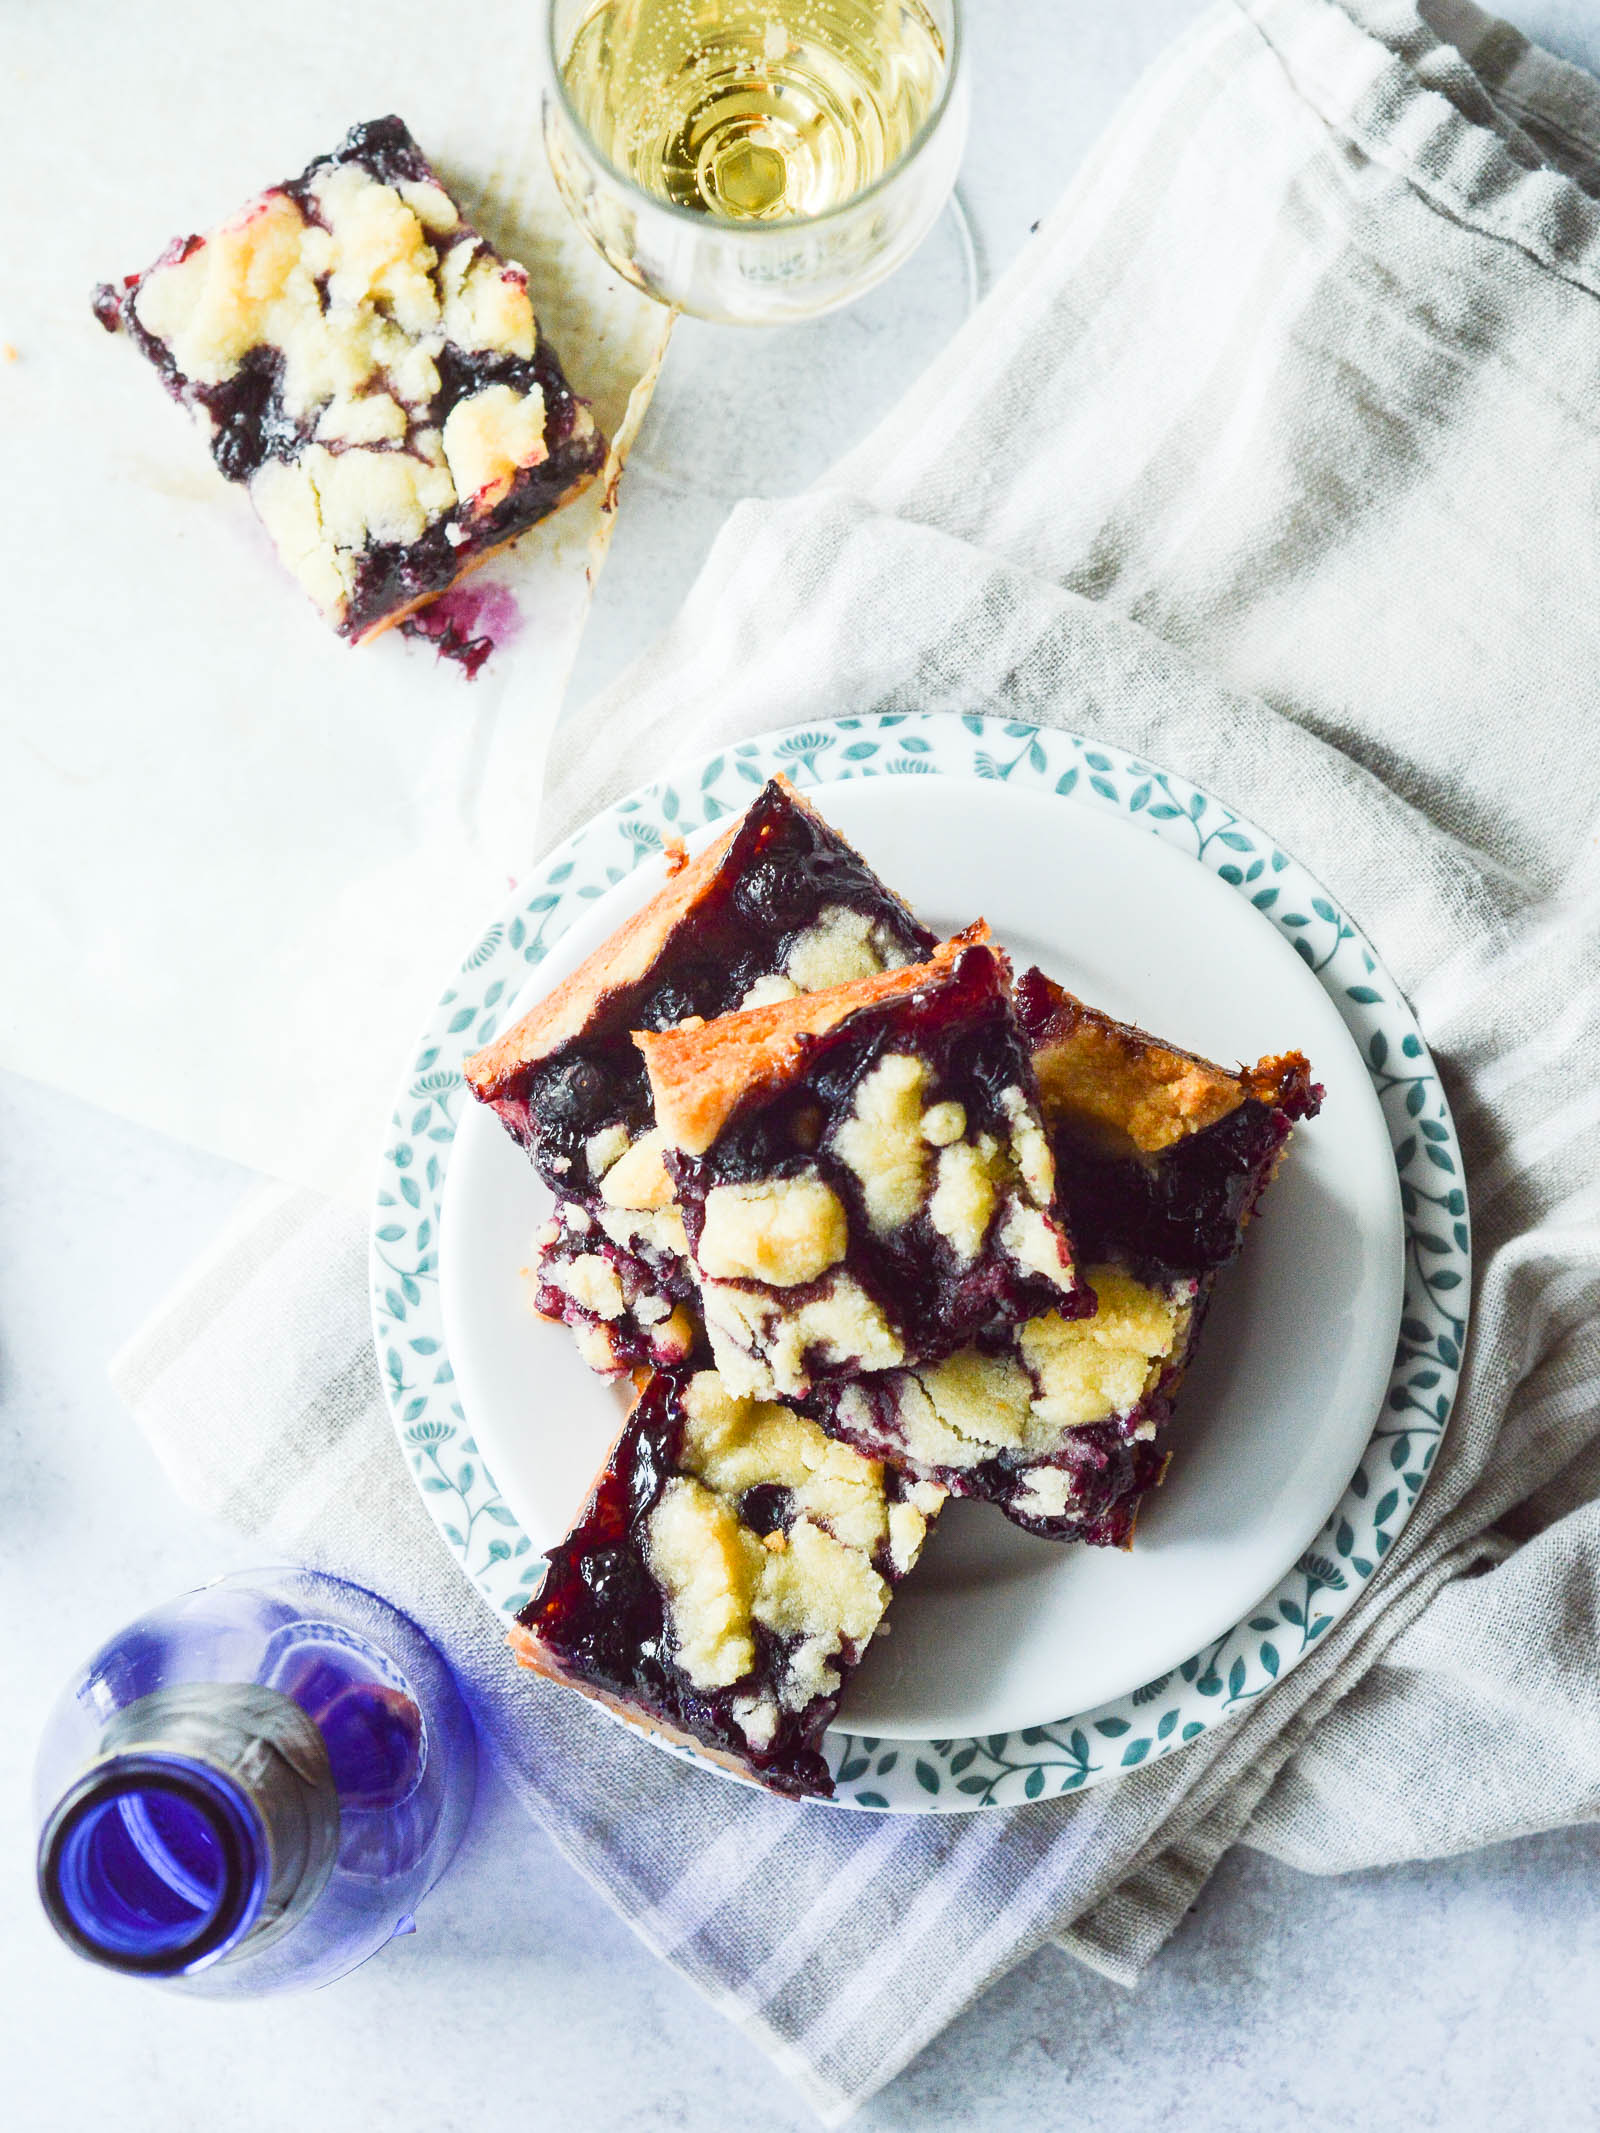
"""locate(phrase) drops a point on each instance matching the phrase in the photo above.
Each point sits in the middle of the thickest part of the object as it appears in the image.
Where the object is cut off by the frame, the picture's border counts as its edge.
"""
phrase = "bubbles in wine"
(752, 111)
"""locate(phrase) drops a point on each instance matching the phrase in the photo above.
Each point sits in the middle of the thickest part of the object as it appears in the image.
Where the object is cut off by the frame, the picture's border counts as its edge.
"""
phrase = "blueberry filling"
(1183, 1211)
(784, 869)
(601, 1615)
(962, 1029)
(450, 642)
(767, 1508)
(382, 146)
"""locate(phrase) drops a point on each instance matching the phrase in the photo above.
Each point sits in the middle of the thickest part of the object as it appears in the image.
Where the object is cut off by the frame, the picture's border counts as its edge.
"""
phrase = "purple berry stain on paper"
(467, 623)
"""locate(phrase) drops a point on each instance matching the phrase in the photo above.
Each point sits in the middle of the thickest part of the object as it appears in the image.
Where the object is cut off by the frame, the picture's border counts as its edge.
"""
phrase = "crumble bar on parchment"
(370, 368)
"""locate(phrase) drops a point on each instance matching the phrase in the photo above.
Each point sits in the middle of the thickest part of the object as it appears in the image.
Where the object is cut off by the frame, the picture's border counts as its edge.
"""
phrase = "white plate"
(1000, 1630)
(997, 1633)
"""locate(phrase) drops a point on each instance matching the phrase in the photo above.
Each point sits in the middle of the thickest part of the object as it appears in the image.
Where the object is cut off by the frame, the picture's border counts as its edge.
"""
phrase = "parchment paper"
(237, 856)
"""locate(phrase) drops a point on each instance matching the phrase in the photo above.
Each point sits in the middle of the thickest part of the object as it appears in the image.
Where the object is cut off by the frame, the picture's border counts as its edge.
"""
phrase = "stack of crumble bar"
(871, 1223)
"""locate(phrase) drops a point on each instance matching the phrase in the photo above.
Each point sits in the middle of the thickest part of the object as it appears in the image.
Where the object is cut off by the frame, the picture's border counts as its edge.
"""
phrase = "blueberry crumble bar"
(1161, 1157)
(1165, 1156)
(863, 1176)
(780, 904)
(726, 1575)
(371, 368)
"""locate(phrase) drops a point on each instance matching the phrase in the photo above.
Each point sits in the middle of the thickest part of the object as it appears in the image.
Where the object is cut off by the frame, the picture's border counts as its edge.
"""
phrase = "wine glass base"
(764, 410)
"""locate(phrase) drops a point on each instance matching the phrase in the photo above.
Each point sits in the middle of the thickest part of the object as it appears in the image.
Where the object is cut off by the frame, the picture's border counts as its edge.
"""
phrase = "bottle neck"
(206, 1826)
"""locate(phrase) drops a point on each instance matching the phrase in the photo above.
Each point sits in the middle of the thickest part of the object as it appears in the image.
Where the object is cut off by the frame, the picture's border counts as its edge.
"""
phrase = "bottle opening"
(154, 1868)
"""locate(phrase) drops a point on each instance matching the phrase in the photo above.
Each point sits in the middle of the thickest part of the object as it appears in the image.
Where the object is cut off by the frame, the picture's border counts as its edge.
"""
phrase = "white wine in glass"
(755, 161)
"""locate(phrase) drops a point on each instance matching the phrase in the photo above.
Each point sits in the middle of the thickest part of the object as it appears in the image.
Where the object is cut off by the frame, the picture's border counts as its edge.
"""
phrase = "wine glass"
(755, 162)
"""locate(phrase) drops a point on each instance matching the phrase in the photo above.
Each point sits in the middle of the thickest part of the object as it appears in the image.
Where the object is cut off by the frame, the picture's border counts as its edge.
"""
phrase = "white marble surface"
(1454, 1995)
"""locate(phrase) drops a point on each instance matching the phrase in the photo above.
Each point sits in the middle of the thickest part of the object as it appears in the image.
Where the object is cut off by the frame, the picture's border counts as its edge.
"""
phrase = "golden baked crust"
(700, 1075)
(1114, 1081)
(621, 961)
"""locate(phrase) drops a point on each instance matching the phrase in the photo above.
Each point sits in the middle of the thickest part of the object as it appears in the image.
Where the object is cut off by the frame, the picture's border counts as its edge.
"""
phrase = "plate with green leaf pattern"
(1311, 1417)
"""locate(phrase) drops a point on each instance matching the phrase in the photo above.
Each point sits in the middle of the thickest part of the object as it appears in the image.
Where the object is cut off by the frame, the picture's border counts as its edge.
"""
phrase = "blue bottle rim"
(231, 1910)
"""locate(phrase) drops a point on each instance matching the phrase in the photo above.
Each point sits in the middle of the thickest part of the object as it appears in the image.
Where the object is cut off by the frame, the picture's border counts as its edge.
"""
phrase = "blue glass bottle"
(252, 1788)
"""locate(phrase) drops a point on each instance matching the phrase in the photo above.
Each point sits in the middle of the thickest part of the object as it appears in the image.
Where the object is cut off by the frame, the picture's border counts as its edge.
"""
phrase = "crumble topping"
(246, 283)
(1029, 1146)
(1085, 1369)
(707, 1564)
(826, 1595)
(1057, 1375)
(604, 1150)
(811, 1583)
(431, 204)
(1035, 1243)
(486, 305)
(951, 1415)
(763, 1346)
(886, 1143)
(341, 301)
(596, 1347)
(981, 1397)
(286, 502)
(373, 249)
(325, 508)
(842, 944)
(757, 1718)
(943, 1123)
(489, 438)
(594, 1283)
(659, 1229)
(638, 1177)
(376, 419)
(881, 1142)
(774, 986)
(962, 1205)
(676, 1342)
(735, 1445)
(908, 1524)
(784, 1231)
(1046, 1492)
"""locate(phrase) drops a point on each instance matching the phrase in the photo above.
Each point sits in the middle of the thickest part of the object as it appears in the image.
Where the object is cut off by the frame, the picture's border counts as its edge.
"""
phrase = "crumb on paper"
(8, 352)
(677, 855)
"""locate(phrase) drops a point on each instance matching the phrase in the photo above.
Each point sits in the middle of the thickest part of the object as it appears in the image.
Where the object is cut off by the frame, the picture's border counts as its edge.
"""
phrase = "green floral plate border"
(998, 1770)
